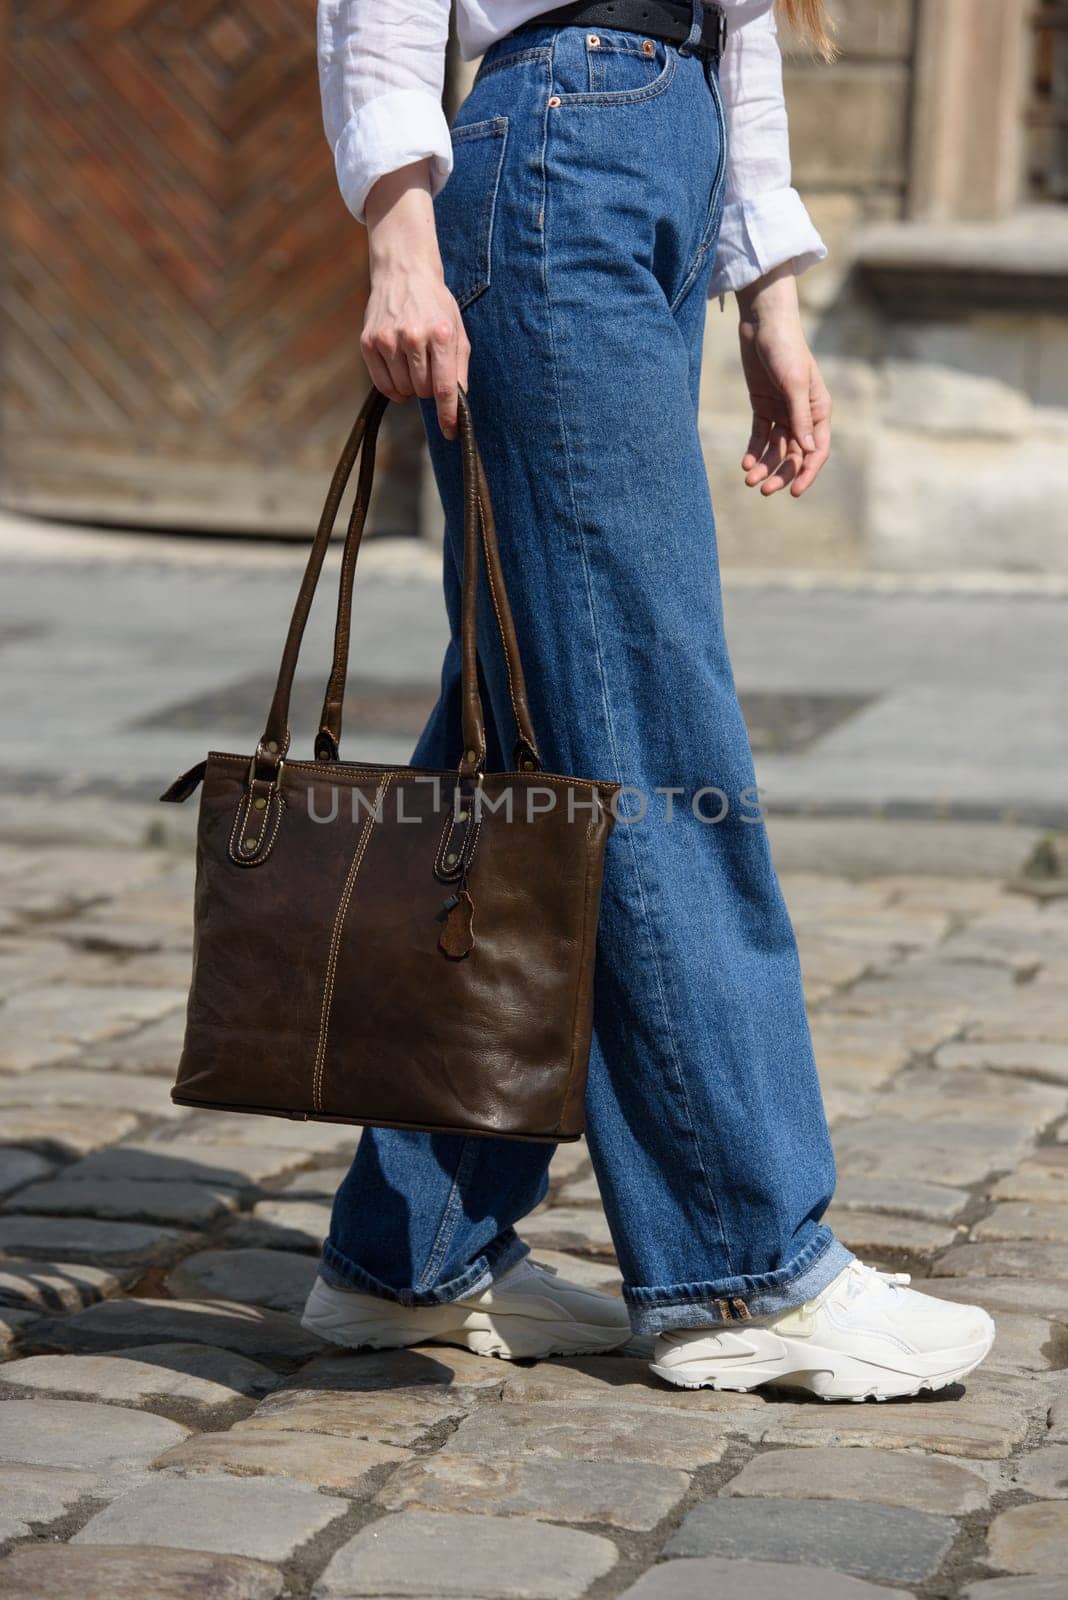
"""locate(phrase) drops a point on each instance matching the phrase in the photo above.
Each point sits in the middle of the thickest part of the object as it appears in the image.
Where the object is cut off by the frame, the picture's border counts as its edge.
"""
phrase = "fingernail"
(809, 442)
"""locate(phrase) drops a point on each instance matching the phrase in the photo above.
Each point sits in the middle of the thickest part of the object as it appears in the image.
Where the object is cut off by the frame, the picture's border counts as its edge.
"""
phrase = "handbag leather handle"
(328, 739)
(479, 528)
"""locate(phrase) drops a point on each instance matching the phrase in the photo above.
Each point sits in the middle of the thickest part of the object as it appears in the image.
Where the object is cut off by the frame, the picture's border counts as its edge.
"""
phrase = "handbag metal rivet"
(469, 755)
(272, 747)
(250, 844)
(260, 803)
(451, 859)
(461, 816)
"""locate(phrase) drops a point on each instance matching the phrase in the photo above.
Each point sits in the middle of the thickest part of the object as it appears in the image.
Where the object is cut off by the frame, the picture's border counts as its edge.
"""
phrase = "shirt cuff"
(761, 233)
(388, 132)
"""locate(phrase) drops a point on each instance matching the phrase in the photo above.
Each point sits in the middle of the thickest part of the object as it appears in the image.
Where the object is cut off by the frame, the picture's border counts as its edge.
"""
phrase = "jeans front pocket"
(464, 207)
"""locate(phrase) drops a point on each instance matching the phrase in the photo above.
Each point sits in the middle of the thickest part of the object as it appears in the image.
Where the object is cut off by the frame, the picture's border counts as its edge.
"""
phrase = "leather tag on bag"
(457, 937)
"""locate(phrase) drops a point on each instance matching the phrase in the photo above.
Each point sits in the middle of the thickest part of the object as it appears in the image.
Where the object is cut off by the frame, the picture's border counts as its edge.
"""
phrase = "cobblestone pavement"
(168, 1430)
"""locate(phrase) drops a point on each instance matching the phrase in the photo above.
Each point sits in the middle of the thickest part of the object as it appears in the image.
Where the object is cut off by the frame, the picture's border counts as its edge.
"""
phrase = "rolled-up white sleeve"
(381, 75)
(765, 222)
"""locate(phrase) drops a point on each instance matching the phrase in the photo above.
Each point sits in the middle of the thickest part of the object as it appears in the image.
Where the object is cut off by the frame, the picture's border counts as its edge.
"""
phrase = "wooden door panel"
(183, 287)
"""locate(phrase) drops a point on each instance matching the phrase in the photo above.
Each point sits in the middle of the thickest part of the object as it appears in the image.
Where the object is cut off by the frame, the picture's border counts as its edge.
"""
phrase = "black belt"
(660, 19)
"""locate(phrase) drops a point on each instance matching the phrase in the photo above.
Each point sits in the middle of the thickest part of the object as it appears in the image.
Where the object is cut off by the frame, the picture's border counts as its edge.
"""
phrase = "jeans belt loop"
(696, 25)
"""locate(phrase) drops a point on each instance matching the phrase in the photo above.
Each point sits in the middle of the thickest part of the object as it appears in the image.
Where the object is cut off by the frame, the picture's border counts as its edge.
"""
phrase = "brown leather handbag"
(387, 945)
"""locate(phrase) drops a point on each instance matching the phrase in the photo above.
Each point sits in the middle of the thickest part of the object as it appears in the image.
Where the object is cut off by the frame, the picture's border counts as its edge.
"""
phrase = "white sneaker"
(527, 1312)
(864, 1337)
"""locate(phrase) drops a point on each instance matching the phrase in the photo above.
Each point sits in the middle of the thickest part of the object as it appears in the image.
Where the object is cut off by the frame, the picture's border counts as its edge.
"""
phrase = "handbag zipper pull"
(457, 937)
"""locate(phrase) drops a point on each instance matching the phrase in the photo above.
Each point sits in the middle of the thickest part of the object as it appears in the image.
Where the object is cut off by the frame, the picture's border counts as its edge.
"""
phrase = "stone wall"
(945, 341)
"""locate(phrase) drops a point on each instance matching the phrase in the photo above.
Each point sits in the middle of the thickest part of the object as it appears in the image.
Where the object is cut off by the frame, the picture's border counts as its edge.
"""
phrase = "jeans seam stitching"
(577, 522)
(711, 231)
(447, 1226)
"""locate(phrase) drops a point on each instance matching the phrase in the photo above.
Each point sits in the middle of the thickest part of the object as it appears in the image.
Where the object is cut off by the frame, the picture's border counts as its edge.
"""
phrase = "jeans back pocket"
(464, 207)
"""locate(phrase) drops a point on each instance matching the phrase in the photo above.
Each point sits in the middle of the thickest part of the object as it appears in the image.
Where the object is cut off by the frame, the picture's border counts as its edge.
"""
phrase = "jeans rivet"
(592, 40)
(648, 47)
(554, 99)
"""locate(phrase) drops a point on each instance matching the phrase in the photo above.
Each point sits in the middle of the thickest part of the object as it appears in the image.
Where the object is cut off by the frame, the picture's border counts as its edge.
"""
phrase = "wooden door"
(182, 285)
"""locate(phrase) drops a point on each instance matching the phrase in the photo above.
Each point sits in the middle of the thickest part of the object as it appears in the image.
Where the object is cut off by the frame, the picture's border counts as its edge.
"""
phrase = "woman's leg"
(705, 1120)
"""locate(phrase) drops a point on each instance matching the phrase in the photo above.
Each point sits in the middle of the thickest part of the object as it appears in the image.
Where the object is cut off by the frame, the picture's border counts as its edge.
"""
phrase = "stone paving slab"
(344, 1466)
(117, 1324)
(397, 1419)
(19, 1167)
(1031, 1538)
(934, 1202)
(880, 1542)
(13, 1326)
(109, 1244)
(1015, 1589)
(876, 1477)
(616, 1494)
(963, 1152)
(1044, 1472)
(417, 1367)
(79, 1086)
(278, 1279)
(39, 1494)
(583, 1228)
(457, 1557)
(267, 1519)
(220, 1164)
(60, 1132)
(624, 1381)
(1027, 1057)
(193, 1373)
(573, 1431)
(874, 1233)
(42, 1026)
(986, 1420)
(56, 1285)
(281, 1225)
(705, 1577)
(78, 1433)
(262, 1133)
(84, 1573)
(1017, 1258)
(1041, 1177)
(1024, 1219)
(185, 1205)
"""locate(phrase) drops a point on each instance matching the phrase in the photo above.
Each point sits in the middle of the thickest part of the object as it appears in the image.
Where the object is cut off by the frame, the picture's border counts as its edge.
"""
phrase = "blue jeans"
(577, 230)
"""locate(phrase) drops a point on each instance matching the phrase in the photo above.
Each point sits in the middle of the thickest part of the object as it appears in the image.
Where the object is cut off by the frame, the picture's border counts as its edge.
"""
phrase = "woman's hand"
(791, 437)
(413, 337)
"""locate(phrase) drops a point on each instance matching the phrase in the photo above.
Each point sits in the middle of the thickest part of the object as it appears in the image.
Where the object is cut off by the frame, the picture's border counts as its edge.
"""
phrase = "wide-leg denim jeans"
(578, 228)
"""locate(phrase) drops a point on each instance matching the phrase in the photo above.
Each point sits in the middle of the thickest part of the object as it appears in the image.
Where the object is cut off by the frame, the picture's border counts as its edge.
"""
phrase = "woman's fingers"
(815, 461)
(758, 442)
(444, 375)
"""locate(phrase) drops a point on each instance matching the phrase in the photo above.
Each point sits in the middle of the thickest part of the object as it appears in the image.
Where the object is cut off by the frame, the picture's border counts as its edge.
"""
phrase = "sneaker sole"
(330, 1315)
(831, 1375)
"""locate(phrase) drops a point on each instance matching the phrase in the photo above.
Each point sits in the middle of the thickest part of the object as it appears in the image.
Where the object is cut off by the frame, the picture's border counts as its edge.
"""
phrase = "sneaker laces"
(861, 1277)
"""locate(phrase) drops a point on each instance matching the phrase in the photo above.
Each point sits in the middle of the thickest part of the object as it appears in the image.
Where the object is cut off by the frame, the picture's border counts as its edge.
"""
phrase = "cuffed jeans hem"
(708, 1305)
(340, 1273)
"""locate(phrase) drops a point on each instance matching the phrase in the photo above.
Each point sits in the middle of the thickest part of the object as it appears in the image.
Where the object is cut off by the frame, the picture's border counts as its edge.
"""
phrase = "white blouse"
(381, 76)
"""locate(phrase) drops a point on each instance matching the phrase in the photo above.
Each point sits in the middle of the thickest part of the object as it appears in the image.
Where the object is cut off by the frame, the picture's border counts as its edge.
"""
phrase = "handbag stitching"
(263, 847)
(337, 770)
(335, 944)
